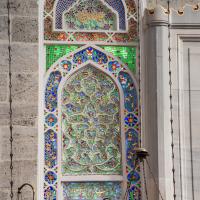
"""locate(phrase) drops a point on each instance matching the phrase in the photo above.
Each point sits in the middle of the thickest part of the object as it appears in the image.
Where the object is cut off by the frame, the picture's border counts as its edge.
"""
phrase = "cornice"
(157, 18)
(185, 26)
(189, 19)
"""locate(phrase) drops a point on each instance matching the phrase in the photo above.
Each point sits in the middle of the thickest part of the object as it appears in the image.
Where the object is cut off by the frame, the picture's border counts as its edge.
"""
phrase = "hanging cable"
(154, 179)
(145, 181)
(139, 69)
(10, 103)
(171, 104)
(142, 155)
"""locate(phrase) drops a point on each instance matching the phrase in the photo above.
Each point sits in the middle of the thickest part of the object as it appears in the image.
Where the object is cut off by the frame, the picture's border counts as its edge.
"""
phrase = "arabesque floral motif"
(50, 193)
(50, 177)
(51, 90)
(50, 148)
(90, 124)
(51, 120)
(90, 15)
(90, 54)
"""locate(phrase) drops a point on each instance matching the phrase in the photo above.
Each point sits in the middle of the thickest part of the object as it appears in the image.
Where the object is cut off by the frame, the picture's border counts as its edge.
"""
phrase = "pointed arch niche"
(89, 122)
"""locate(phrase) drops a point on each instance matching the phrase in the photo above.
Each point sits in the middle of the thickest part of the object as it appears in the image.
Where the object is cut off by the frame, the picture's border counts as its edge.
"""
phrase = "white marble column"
(157, 136)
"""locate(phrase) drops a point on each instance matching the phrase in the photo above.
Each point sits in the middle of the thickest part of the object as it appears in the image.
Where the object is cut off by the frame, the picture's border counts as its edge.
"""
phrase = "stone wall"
(24, 49)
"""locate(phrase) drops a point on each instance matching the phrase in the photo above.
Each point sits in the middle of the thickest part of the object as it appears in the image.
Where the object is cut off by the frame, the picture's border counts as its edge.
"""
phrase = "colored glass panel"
(51, 120)
(90, 15)
(131, 144)
(51, 90)
(126, 54)
(54, 52)
(130, 92)
(50, 193)
(90, 54)
(66, 65)
(119, 7)
(50, 177)
(114, 66)
(63, 6)
(50, 149)
(90, 124)
(92, 191)
(131, 120)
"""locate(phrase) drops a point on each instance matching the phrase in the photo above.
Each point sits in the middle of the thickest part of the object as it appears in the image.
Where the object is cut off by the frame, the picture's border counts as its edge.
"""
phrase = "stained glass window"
(95, 7)
(90, 15)
(91, 122)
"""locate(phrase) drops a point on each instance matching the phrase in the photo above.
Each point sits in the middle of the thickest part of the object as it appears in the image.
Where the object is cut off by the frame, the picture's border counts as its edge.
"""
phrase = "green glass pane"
(54, 52)
(126, 54)
(92, 191)
(91, 124)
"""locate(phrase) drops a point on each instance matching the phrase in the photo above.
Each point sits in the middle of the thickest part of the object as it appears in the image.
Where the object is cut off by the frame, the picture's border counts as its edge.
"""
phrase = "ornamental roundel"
(99, 21)
(91, 104)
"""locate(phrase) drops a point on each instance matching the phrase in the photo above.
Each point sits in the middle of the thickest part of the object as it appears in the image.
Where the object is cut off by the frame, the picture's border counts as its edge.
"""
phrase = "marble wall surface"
(185, 58)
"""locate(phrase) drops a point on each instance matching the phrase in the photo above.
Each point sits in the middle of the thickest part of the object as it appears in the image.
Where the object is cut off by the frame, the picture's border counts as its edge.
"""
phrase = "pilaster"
(157, 135)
